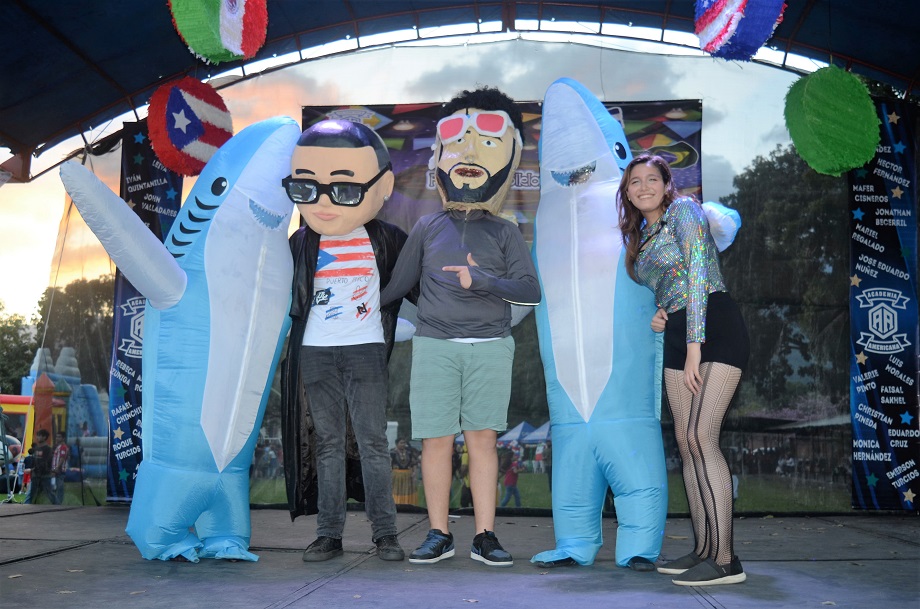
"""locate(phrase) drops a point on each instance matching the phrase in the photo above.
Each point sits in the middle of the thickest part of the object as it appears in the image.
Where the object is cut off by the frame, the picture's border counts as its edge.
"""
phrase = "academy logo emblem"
(133, 311)
(883, 305)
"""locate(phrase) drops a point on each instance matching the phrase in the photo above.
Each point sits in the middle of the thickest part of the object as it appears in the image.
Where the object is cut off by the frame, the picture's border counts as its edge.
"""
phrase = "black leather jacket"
(296, 427)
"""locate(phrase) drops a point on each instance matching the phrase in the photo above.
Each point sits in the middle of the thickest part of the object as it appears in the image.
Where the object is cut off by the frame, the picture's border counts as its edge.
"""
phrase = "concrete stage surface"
(78, 558)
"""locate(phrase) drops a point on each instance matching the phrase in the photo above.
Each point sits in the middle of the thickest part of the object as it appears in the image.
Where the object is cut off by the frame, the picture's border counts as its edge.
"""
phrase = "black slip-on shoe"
(679, 565)
(708, 573)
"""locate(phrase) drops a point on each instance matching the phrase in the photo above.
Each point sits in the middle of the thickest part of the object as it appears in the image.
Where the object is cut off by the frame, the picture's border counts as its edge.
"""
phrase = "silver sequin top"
(680, 264)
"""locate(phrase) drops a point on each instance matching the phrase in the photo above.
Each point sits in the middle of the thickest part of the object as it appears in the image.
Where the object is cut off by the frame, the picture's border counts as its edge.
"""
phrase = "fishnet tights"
(697, 425)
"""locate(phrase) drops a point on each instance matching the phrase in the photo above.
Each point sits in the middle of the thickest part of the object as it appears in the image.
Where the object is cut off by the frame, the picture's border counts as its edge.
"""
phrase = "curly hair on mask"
(486, 98)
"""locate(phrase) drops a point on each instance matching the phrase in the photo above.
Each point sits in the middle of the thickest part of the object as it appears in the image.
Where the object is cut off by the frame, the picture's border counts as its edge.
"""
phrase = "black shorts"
(727, 339)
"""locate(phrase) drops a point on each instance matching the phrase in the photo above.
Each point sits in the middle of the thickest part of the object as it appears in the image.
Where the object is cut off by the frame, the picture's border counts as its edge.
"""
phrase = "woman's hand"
(659, 320)
(463, 272)
(692, 378)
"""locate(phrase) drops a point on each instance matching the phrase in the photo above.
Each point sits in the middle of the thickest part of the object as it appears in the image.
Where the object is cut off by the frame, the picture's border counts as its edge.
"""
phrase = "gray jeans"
(352, 377)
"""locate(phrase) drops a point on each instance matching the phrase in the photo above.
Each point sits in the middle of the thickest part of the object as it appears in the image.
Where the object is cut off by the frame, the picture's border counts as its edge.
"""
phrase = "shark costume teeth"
(575, 176)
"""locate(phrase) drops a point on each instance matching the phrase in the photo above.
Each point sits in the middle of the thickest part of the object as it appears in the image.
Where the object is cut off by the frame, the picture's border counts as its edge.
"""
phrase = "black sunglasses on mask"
(346, 194)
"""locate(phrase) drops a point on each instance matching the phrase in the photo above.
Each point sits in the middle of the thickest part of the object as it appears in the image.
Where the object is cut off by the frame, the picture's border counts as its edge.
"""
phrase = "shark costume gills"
(601, 360)
(218, 296)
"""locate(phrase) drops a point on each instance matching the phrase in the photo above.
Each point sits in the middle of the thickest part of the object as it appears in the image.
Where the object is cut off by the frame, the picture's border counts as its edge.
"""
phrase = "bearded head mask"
(477, 150)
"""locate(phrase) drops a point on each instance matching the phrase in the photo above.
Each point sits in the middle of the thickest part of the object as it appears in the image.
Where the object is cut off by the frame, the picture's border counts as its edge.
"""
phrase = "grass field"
(756, 494)
(90, 493)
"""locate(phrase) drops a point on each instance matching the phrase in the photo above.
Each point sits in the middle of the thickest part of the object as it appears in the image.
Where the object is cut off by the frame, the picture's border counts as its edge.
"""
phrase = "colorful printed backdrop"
(669, 128)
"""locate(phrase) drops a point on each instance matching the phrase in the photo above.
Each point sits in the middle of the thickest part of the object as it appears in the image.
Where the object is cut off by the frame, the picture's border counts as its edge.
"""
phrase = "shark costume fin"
(136, 251)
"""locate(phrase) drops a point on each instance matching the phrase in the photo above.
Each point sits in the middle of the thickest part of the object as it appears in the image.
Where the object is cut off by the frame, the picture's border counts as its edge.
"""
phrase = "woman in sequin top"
(670, 250)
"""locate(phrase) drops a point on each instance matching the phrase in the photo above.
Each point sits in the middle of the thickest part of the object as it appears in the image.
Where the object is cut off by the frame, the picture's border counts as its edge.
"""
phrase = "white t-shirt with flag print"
(346, 293)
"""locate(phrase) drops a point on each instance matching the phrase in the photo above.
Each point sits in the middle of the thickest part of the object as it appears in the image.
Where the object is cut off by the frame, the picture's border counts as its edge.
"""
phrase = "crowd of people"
(41, 471)
(267, 461)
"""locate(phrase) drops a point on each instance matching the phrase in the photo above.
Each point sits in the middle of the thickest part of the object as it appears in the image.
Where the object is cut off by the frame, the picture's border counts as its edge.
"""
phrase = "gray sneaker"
(708, 573)
(679, 565)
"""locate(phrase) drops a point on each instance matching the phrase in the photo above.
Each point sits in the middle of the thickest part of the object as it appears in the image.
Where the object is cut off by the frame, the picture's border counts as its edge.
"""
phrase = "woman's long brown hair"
(631, 219)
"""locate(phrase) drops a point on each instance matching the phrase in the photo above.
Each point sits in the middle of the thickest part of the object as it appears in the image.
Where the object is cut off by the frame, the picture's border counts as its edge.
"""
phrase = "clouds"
(524, 69)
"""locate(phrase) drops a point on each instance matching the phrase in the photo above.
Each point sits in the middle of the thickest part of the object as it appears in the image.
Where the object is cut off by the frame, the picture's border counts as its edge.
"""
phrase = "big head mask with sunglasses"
(336, 181)
(475, 156)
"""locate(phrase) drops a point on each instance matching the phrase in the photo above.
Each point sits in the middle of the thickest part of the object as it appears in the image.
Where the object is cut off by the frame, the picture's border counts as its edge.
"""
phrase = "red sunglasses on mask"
(492, 123)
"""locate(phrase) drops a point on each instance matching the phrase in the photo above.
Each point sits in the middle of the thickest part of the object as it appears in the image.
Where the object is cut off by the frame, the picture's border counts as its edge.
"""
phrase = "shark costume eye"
(219, 186)
(620, 151)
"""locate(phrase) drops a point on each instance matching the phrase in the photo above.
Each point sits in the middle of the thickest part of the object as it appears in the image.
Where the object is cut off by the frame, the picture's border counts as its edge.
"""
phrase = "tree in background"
(787, 269)
(17, 348)
(80, 316)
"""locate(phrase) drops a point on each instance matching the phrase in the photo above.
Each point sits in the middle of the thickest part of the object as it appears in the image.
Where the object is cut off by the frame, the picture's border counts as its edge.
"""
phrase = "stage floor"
(81, 558)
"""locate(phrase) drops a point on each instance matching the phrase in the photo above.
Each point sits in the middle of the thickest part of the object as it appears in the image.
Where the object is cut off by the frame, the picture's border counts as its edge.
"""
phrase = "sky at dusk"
(742, 119)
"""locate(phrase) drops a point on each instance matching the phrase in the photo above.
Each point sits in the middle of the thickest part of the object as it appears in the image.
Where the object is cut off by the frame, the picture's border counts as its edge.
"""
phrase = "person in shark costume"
(218, 295)
(599, 354)
(602, 361)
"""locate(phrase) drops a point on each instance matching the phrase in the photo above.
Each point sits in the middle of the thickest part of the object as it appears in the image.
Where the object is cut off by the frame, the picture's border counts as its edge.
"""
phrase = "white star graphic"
(181, 121)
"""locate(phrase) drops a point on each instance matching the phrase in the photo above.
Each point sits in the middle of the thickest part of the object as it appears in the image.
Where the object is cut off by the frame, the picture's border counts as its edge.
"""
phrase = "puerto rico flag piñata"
(188, 122)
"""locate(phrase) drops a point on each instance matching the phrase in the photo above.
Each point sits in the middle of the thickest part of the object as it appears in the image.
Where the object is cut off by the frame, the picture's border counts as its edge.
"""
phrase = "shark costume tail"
(602, 362)
(218, 295)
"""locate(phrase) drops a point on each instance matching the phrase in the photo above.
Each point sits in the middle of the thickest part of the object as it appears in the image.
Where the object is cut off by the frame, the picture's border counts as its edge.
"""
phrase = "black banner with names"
(154, 193)
(884, 332)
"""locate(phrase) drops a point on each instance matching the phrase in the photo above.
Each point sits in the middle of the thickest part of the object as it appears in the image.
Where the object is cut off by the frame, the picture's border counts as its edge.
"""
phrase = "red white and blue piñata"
(736, 29)
(188, 122)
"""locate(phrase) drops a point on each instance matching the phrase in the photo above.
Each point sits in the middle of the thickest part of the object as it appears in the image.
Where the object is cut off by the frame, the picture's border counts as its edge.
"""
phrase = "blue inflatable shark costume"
(218, 296)
(601, 359)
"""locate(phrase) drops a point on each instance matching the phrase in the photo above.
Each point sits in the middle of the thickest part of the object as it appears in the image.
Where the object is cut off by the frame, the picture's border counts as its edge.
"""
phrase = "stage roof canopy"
(71, 66)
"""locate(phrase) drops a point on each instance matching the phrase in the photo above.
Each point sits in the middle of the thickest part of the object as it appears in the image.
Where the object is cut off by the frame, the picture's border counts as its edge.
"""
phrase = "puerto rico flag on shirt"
(346, 293)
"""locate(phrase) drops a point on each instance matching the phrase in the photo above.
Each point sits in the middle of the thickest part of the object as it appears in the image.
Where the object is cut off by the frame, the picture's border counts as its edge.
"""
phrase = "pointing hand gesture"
(463, 272)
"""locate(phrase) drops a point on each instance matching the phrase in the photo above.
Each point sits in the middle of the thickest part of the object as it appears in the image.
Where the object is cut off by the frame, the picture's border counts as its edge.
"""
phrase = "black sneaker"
(487, 550)
(322, 549)
(708, 573)
(388, 548)
(436, 547)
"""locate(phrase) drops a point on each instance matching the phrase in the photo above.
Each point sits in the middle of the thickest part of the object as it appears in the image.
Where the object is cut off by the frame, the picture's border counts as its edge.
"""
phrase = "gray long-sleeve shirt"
(505, 274)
